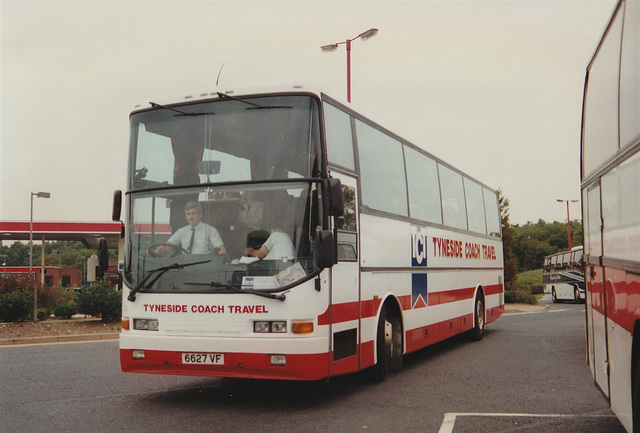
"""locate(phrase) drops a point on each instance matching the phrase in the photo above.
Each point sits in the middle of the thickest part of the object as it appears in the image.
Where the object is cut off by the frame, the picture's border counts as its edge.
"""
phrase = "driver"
(197, 237)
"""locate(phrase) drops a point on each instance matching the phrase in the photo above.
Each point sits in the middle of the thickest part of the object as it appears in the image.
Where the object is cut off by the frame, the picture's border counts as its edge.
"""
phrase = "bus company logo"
(418, 249)
(419, 291)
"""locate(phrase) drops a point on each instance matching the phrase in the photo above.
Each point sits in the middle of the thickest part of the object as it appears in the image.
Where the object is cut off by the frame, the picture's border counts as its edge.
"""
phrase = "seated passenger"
(277, 247)
(252, 211)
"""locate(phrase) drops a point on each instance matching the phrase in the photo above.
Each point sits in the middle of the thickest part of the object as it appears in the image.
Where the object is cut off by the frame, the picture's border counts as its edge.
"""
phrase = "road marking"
(449, 420)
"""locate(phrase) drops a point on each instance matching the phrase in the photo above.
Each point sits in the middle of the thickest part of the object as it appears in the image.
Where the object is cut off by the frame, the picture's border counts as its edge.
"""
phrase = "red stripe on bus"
(621, 291)
(449, 296)
(348, 311)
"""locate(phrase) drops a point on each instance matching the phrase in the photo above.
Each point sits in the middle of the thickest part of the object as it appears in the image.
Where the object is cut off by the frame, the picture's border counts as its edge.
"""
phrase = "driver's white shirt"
(205, 239)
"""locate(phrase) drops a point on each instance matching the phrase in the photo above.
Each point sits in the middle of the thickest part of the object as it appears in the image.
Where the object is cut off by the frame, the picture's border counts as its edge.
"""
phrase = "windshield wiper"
(254, 106)
(181, 113)
(215, 284)
(161, 271)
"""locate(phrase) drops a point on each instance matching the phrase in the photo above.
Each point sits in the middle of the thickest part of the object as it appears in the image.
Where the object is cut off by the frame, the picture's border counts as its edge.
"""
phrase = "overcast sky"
(492, 87)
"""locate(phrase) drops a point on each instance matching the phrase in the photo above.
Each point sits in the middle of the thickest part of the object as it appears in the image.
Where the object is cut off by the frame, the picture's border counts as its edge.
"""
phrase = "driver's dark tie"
(193, 233)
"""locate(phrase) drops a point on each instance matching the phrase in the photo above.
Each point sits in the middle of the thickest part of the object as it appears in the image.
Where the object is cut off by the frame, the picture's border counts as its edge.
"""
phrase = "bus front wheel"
(388, 346)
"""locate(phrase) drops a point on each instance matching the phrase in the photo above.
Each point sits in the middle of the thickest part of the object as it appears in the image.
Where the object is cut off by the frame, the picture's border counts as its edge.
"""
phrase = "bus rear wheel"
(388, 346)
(576, 295)
(478, 319)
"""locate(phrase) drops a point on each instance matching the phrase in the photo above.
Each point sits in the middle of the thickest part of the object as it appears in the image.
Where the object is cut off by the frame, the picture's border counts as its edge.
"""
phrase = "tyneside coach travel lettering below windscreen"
(284, 235)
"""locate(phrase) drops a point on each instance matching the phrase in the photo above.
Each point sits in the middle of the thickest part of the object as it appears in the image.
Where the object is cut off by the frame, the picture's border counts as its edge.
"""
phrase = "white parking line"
(449, 420)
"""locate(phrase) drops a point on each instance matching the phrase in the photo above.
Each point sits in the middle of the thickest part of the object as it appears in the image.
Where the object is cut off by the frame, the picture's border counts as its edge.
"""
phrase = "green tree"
(534, 241)
(510, 260)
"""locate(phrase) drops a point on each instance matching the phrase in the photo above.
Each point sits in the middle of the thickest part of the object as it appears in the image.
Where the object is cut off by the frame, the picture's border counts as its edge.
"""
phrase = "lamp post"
(333, 47)
(35, 287)
(568, 219)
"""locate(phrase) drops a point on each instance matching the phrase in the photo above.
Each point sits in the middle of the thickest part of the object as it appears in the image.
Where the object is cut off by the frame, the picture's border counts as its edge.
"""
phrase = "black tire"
(388, 346)
(576, 295)
(478, 319)
(554, 297)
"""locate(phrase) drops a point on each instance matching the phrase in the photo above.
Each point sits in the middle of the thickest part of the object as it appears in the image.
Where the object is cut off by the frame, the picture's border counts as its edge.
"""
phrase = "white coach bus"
(563, 276)
(610, 169)
(323, 243)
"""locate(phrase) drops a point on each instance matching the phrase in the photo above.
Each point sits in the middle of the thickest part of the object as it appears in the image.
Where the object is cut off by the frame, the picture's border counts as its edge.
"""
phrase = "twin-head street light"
(35, 287)
(568, 219)
(333, 47)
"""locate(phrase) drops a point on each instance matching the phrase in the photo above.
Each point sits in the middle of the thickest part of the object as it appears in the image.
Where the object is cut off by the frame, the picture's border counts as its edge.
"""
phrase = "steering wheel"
(174, 250)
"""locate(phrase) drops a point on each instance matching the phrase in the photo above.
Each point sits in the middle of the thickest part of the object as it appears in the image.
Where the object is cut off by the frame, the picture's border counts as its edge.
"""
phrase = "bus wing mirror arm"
(325, 249)
(117, 210)
(335, 200)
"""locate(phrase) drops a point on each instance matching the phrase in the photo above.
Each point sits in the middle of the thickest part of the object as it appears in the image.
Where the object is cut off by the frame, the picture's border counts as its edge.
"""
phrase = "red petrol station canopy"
(86, 232)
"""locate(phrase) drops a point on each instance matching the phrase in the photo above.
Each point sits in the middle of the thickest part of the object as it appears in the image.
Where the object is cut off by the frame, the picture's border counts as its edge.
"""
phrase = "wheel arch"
(394, 307)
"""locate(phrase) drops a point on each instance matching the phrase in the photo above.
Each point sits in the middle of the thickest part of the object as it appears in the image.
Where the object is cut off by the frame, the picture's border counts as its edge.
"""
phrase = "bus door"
(345, 285)
(595, 298)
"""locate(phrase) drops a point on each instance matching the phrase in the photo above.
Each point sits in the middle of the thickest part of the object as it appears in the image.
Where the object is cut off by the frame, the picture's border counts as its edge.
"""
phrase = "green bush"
(519, 296)
(537, 289)
(100, 300)
(43, 314)
(65, 310)
(16, 306)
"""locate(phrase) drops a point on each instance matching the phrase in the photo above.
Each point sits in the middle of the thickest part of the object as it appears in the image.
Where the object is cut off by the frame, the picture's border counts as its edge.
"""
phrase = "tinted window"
(453, 203)
(475, 206)
(424, 187)
(381, 170)
(493, 214)
(339, 138)
(601, 106)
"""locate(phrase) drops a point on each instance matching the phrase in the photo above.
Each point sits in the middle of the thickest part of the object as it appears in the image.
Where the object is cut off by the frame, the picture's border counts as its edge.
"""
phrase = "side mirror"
(325, 249)
(117, 205)
(333, 193)
(103, 255)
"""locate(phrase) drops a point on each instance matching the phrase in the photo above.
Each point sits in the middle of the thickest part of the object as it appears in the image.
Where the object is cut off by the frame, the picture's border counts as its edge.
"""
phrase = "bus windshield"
(223, 194)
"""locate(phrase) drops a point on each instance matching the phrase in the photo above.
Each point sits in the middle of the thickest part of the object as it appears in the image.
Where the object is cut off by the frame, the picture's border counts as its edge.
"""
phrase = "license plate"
(203, 358)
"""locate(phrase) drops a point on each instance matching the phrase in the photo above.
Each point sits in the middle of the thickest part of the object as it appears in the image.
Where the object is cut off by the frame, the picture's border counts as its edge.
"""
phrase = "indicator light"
(302, 327)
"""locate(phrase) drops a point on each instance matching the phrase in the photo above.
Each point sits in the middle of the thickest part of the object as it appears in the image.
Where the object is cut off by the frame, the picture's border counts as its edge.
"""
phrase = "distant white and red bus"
(393, 249)
(563, 276)
(610, 163)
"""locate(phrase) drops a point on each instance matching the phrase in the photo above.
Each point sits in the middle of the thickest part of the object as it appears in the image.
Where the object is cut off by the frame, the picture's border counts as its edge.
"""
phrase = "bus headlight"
(261, 327)
(265, 326)
(280, 327)
(145, 324)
